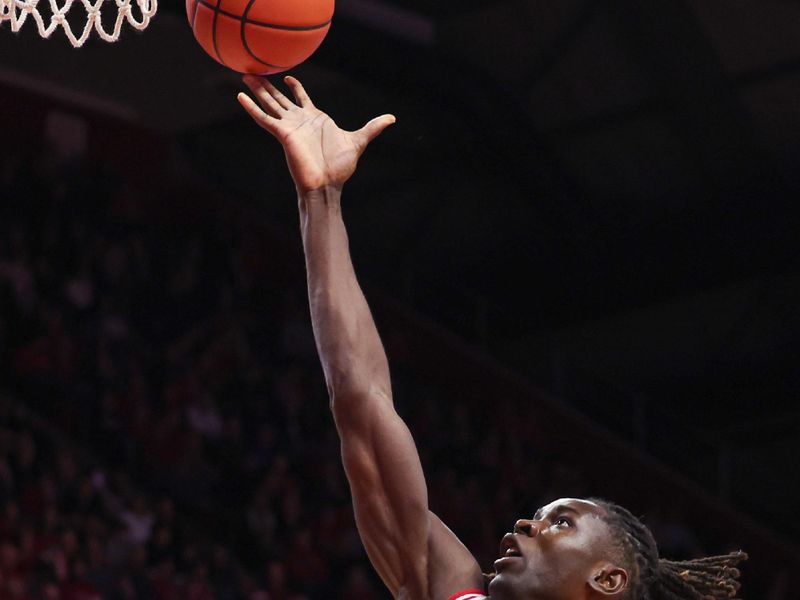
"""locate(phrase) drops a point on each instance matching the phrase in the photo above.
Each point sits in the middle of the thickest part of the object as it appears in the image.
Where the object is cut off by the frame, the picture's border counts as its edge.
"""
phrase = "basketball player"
(571, 549)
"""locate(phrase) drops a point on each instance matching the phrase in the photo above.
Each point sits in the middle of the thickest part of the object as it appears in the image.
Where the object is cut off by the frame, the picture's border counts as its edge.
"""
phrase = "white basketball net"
(17, 12)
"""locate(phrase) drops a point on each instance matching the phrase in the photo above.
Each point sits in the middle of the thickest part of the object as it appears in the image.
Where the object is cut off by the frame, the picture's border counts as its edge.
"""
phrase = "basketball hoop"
(18, 11)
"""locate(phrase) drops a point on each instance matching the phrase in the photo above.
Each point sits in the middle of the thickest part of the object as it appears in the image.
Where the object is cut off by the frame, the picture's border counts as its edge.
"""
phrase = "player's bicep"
(414, 553)
(390, 501)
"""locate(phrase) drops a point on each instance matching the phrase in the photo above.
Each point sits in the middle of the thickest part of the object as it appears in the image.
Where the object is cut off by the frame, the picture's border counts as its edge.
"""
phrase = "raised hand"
(318, 152)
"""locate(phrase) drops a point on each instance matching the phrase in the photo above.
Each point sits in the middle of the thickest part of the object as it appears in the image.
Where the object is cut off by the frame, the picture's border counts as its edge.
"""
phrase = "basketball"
(260, 37)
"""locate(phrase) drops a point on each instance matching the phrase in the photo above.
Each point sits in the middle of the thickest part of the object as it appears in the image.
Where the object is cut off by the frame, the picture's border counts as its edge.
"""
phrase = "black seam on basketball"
(244, 39)
(217, 10)
(194, 14)
(261, 23)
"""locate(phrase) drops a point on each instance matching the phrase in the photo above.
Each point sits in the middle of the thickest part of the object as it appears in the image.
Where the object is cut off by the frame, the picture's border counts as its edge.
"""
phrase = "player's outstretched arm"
(414, 553)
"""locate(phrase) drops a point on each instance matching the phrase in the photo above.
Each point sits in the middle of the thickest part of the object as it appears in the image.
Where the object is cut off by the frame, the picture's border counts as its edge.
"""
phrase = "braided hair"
(654, 578)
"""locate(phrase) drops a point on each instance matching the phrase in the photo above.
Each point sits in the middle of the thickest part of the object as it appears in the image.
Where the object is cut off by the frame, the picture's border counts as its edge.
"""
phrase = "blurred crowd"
(186, 449)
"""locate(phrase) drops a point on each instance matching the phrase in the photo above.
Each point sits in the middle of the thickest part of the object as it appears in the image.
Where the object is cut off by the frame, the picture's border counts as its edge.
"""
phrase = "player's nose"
(526, 527)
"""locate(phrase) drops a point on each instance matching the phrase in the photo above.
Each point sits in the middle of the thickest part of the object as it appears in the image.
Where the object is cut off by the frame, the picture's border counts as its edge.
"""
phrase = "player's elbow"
(352, 383)
(357, 406)
(345, 384)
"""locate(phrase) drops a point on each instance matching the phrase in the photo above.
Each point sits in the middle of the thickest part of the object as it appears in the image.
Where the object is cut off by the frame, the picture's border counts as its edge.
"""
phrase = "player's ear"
(609, 580)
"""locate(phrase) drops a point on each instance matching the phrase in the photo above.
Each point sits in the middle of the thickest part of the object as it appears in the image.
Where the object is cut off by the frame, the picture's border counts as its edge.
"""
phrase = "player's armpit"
(452, 566)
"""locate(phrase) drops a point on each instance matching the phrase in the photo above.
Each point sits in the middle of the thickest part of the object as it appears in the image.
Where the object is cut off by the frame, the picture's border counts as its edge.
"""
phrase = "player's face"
(555, 554)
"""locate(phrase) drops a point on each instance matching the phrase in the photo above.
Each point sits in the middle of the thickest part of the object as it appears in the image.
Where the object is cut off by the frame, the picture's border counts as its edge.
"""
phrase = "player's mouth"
(510, 552)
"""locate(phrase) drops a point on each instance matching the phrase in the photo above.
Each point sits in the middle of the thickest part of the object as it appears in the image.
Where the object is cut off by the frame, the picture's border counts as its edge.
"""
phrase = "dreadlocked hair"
(654, 578)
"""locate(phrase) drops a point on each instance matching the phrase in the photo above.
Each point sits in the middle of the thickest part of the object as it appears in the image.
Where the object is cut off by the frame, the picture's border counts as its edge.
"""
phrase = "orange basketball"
(260, 36)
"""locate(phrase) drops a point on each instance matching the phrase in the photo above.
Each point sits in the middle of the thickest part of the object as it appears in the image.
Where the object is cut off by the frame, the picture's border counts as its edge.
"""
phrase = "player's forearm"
(349, 347)
(383, 468)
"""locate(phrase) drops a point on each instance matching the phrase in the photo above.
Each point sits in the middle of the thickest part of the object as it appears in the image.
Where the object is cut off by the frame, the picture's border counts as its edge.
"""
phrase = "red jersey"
(473, 594)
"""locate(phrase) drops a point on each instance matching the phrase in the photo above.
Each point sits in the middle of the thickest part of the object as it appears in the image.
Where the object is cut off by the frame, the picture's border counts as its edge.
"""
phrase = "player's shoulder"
(470, 594)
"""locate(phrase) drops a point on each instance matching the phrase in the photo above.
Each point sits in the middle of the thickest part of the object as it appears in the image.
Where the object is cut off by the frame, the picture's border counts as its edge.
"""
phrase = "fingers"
(258, 115)
(274, 92)
(300, 94)
(270, 104)
(374, 128)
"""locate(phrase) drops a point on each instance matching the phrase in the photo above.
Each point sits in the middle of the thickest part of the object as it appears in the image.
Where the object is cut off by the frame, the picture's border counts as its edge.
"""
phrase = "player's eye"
(562, 522)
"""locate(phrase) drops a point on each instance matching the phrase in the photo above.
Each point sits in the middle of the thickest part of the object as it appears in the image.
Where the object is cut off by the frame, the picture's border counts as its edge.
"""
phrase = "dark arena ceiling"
(599, 188)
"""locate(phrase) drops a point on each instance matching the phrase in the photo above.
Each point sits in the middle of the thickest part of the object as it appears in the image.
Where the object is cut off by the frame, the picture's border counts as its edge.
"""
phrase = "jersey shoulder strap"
(473, 594)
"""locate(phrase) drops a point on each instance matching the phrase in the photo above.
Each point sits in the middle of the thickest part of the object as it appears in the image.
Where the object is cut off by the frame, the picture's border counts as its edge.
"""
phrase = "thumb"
(374, 128)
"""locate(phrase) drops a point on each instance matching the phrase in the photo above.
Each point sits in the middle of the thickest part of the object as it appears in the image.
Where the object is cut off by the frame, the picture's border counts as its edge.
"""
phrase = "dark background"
(598, 194)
